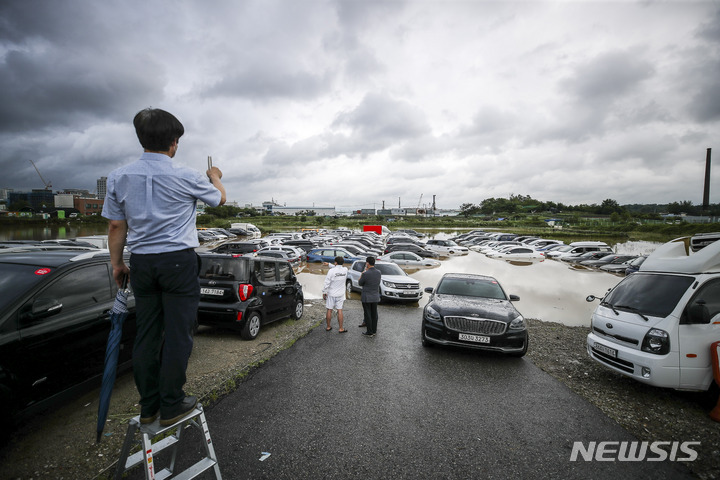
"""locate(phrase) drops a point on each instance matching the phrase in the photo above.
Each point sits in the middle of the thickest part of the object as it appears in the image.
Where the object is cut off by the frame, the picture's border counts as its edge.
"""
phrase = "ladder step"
(147, 454)
(195, 470)
(139, 456)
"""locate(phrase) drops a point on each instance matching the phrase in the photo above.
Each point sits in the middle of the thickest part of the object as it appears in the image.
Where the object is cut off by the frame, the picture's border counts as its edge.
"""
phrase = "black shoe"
(175, 414)
(362, 325)
(368, 334)
(146, 418)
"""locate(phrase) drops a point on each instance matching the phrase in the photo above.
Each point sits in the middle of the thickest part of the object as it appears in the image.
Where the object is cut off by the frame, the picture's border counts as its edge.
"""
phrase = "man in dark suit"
(370, 283)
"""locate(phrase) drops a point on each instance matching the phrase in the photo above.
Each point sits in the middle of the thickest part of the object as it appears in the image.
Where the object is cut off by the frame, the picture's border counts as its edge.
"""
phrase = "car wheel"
(299, 306)
(252, 327)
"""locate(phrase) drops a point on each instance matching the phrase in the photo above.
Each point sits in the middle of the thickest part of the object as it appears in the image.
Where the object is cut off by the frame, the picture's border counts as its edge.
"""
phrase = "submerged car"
(395, 284)
(409, 259)
(243, 293)
(328, 254)
(473, 311)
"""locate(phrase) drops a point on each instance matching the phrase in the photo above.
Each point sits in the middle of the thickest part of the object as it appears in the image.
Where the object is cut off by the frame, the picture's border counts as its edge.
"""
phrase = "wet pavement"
(346, 406)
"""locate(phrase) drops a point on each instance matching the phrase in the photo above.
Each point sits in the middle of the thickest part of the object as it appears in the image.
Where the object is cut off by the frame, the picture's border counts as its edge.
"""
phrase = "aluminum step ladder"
(146, 455)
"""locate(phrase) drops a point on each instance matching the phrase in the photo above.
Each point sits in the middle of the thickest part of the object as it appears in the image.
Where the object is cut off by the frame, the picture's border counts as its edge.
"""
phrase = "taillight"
(244, 291)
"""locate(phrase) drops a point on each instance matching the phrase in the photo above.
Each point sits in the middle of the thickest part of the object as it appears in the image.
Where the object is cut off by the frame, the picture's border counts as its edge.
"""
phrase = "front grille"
(475, 325)
(406, 286)
(623, 365)
(622, 338)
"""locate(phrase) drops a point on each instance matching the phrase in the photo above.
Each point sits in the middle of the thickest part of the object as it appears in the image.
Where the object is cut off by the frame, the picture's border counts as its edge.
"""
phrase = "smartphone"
(209, 162)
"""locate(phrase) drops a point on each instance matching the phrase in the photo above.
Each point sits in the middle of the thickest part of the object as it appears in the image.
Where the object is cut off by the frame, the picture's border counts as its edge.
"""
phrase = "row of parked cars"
(586, 254)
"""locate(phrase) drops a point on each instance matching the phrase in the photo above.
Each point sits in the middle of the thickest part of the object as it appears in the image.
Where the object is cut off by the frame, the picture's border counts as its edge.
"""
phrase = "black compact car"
(54, 323)
(244, 293)
(473, 311)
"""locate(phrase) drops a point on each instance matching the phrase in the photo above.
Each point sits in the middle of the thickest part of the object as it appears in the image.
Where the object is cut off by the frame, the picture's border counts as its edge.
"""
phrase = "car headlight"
(518, 323)
(388, 284)
(432, 314)
(656, 341)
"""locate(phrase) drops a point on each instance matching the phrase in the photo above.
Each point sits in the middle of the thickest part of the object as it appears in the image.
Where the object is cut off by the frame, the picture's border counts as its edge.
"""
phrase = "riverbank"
(221, 360)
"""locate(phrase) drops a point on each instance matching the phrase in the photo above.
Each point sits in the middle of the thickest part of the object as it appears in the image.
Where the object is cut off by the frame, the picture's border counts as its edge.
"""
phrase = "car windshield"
(224, 269)
(16, 280)
(389, 269)
(471, 287)
(655, 295)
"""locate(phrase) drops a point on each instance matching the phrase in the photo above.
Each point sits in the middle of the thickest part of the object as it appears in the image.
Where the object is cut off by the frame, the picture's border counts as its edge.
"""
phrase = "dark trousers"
(167, 293)
(370, 316)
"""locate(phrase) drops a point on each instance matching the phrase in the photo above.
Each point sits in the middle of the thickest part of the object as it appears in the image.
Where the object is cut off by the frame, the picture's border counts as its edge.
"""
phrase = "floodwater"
(549, 290)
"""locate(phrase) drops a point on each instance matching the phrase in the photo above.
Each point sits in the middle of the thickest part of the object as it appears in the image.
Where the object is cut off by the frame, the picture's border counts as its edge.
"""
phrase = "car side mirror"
(514, 298)
(698, 313)
(41, 308)
(428, 289)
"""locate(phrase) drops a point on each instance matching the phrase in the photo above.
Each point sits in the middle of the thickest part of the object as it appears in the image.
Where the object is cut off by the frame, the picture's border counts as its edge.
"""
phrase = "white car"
(518, 253)
(446, 247)
(395, 284)
(410, 259)
(297, 253)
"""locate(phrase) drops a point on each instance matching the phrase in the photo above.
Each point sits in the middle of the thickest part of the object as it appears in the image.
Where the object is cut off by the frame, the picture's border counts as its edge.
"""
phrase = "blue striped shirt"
(157, 199)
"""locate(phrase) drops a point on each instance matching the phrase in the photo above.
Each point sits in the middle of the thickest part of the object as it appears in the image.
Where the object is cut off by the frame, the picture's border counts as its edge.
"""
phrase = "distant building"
(274, 208)
(37, 199)
(4, 193)
(65, 200)
(89, 205)
(101, 187)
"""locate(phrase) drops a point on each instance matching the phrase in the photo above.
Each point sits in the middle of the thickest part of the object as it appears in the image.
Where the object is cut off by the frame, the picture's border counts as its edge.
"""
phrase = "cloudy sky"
(352, 103)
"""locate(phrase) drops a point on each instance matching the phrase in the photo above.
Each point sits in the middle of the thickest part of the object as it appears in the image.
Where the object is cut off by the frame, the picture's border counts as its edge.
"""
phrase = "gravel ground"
(61, 444)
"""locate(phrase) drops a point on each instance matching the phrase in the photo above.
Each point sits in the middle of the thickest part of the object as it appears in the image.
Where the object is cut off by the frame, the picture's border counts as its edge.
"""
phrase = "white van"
(657, 325)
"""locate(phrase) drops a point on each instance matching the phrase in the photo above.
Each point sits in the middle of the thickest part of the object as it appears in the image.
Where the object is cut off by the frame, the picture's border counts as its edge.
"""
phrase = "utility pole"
(706, 191)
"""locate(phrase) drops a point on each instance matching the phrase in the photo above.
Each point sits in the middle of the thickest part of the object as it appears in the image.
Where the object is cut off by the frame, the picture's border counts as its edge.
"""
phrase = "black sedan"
(473, 311)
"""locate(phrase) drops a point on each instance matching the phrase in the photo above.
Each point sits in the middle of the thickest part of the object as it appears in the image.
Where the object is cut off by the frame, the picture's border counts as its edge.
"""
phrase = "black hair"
(370, 261)
(157, 129)
(339, 260)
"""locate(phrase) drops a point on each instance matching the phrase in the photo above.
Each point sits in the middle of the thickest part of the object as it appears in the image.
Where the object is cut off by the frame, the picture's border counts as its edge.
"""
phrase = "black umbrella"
(118, 314)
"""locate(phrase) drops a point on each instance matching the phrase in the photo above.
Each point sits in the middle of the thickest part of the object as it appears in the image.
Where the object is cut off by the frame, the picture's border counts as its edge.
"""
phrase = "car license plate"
(473, 338)
(408, 294)
(212, 291)
(606, 350)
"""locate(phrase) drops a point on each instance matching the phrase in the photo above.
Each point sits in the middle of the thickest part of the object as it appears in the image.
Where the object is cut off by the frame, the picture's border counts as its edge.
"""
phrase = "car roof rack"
(45, 248)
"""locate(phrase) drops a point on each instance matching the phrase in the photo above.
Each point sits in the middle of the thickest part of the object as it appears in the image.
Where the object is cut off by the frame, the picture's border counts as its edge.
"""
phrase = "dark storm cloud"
(54, 73)
(608, 77)
(704, 105)
(259, 83)
(377, 123)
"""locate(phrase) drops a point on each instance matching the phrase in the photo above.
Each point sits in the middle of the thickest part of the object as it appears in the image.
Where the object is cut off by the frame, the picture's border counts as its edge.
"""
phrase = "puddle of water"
(549, 290)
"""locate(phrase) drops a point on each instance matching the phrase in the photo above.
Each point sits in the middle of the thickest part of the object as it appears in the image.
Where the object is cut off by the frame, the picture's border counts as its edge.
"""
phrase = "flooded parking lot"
(549, 290)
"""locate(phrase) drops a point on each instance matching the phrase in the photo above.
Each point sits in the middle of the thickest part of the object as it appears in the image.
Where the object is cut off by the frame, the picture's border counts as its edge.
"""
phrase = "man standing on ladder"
(151, 206)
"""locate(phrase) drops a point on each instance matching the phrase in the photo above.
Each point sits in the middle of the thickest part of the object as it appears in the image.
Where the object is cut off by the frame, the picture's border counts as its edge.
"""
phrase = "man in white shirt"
(334, 292)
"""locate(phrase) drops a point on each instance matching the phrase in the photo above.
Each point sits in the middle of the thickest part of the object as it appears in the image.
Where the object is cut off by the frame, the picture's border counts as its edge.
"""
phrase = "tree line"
(517, 204)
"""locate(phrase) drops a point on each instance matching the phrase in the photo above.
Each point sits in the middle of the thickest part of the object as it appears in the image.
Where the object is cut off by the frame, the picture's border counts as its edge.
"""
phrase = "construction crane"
(48, 185)
(417, 210)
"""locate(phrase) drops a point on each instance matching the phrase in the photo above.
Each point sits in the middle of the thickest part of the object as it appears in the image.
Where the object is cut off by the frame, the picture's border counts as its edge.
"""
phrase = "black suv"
(54, 323)
(244, 293)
